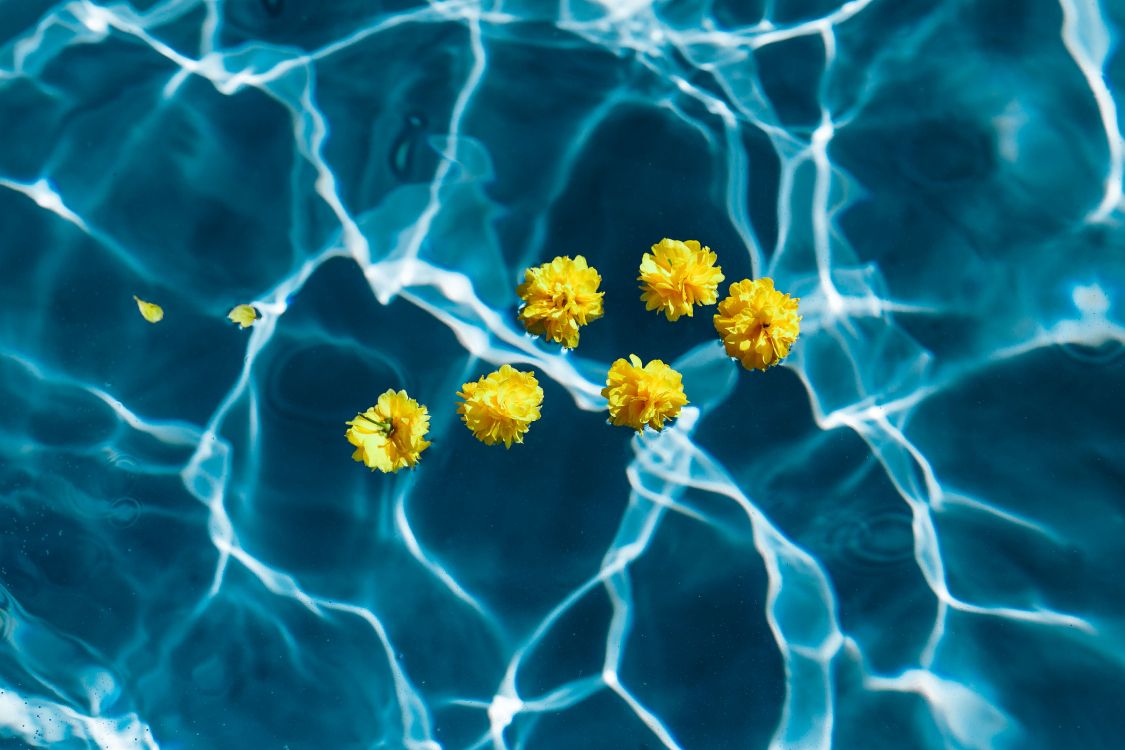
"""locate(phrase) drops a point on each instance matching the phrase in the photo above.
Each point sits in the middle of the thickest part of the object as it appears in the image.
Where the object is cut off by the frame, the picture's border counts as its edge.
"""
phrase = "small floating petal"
(501, 406)
(390, 435)
(642, 395)
(560, 296)
(244, 315)
(677, 275)
(757, 323)
(151, 312)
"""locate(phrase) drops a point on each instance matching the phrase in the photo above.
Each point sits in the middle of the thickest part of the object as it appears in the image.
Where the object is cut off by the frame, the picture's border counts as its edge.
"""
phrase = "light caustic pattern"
(908, 536)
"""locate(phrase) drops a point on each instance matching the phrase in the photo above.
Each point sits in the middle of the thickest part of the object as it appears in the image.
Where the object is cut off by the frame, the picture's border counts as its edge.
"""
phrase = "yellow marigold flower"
(244, 315)
(678, 275)
(501, 406)
(640, 395)
(560, 296)
(391, 434)
(757, 323)
(151, 312)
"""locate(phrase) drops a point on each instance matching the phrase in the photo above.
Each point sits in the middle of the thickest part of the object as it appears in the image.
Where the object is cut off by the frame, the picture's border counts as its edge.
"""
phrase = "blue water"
(910, 535)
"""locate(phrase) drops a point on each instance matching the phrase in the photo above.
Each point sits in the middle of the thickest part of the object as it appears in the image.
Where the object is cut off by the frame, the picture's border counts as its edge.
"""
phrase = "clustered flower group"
(756, 323)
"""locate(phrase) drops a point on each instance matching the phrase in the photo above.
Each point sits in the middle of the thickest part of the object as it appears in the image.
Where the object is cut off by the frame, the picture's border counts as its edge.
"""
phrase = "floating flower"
(757, 323)
(153, 313)
(391, 434)
(560, 296)
(501, 406)
(678, 275)
(244, 315)
(640, 395)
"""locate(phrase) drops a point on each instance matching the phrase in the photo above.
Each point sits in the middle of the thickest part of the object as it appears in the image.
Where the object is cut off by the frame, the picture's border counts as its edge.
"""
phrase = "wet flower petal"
(501, 406)
(642, 395)
(560, 297)
(244, 315)
(151, 312)
(757, 323)
(390, 435)
(676, 276)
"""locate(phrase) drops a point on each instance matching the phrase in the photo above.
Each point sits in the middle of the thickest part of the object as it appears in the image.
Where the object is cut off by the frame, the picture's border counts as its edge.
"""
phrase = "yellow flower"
(244, 315)
(640, 395)
(501, 406)
(391, 434)
(560, 296)
(149, 311)
(757, 323)
(677, 276)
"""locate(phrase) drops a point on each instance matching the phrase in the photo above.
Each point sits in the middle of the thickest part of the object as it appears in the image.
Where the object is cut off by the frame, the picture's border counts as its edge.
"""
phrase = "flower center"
(387, 428)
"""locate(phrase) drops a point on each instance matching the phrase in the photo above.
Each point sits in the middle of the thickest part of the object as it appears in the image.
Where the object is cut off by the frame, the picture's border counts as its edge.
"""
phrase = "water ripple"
(190, 559)
(872, 541)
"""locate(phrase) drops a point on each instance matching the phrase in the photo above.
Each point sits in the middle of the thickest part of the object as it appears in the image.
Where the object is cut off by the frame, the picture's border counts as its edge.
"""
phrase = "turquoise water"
(909, 535)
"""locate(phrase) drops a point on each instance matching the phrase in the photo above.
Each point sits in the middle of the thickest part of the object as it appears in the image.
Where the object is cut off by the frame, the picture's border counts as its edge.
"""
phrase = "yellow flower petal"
(757, 323)
(559, 297)
(640, 395)
(244, 315)
(677, 276)
(151, 312)
(501, 406)
(390, 435)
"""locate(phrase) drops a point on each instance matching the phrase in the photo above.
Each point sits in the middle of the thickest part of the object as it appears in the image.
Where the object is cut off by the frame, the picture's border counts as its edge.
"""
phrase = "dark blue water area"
(908, 535)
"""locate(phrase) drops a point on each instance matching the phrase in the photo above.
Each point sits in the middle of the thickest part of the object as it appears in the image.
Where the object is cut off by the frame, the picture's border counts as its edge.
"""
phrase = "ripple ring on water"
(124, 512)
